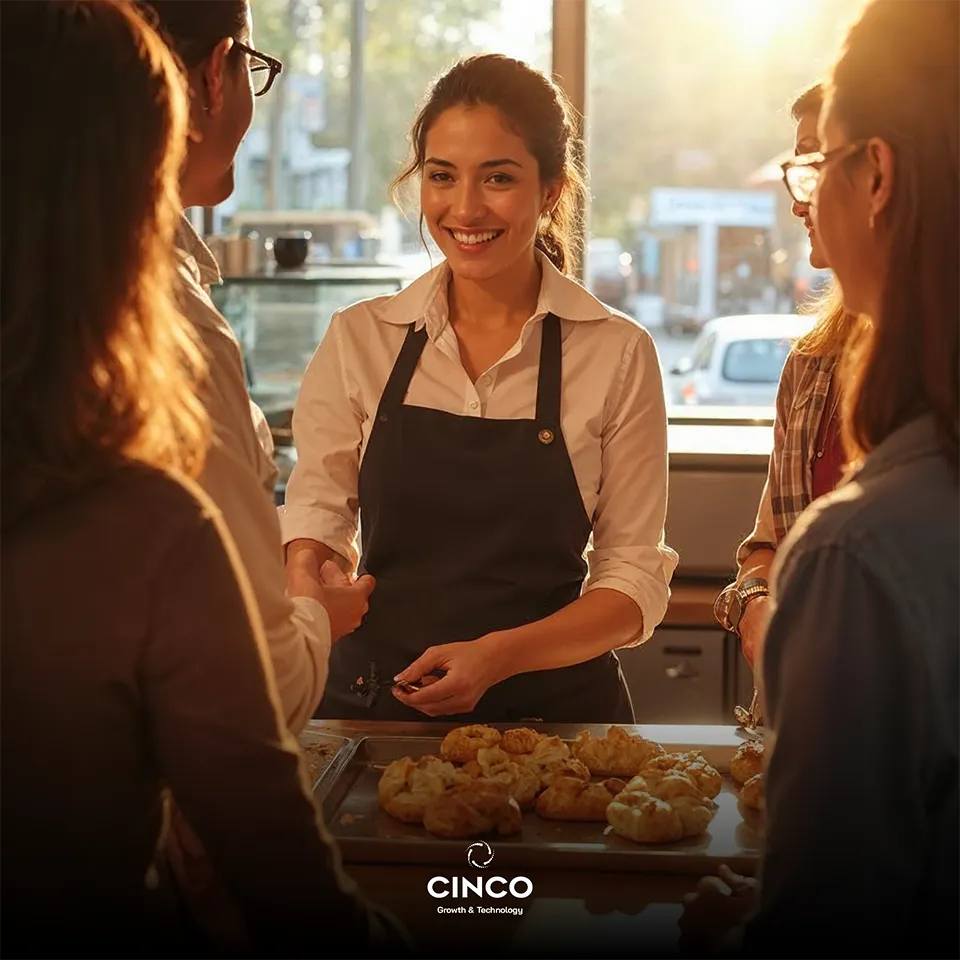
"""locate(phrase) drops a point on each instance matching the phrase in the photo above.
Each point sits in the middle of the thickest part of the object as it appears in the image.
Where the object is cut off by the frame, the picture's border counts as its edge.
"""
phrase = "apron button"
(545, 436)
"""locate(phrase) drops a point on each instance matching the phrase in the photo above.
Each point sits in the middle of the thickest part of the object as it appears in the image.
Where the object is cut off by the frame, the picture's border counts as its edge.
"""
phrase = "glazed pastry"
(406, 786)
(569, 798)
(461, 745)
(751, 794)
(661, 809)
(618, 754)
(472, 810)
(693, 764)
(747, 762)
(520, 740)
(496, 765)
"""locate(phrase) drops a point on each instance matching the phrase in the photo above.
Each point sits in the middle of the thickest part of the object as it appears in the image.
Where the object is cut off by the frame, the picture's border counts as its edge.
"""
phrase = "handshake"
(345, 598)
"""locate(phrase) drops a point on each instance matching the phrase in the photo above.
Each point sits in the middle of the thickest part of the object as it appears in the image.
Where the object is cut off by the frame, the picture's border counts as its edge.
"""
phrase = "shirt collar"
(915, 440)
(195, 254)
(425, 300)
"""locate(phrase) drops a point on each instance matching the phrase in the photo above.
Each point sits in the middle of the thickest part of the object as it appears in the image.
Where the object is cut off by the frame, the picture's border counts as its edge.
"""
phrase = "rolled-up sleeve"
(629, 552)
(321, 500)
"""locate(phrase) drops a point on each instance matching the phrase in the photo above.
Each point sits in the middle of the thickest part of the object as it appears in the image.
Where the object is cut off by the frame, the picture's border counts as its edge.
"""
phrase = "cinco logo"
(479, 856)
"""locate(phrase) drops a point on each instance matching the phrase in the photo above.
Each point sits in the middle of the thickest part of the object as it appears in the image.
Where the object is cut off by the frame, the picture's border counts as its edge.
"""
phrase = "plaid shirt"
(801, 397)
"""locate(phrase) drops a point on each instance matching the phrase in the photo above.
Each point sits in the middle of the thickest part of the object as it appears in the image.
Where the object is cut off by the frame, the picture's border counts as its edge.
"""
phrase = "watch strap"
(744, 592)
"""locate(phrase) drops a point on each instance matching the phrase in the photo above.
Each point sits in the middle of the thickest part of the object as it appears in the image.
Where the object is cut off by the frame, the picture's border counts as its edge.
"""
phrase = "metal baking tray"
(340, 753)
(366, 834)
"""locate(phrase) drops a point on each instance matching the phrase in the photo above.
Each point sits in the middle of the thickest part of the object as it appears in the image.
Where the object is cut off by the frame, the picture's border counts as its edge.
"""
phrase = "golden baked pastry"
(693, 764)
(747, 762)
(548, 772)
(549, 750)
(569, 798)
(618, 754)
(551, 758)
(660, 809)
(520, 740)
(496, 765)
(751, 793)
(461, 745)
(471, 810)
(406, 786)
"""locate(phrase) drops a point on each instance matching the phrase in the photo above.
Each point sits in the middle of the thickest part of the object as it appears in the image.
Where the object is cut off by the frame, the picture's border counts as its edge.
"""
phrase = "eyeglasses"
(263, 69)
(800, 175)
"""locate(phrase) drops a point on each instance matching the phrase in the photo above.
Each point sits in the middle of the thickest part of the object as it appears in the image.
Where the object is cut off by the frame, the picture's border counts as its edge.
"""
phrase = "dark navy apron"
(471, 525)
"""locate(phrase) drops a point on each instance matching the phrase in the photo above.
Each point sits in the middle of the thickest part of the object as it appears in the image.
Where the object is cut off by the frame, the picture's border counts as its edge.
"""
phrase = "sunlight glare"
(756, 22)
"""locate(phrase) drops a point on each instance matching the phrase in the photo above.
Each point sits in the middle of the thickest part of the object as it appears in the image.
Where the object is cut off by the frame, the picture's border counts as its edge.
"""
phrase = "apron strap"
(548, 379)
(395, 391)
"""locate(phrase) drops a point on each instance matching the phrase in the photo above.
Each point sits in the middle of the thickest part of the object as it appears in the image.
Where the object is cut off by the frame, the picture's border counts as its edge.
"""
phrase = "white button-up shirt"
(613, 419)
(240, 476)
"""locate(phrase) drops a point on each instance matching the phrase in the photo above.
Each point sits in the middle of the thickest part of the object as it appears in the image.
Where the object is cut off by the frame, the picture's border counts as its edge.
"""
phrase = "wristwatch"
(732, 602)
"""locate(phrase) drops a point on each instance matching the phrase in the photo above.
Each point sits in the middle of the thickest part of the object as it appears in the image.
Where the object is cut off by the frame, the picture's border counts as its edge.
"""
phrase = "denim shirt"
(861, 677)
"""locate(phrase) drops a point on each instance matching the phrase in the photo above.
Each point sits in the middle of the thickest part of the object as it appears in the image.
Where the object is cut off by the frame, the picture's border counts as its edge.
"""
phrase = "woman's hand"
(345, 599)
(753, 627)
(719, 905)
(470, 669)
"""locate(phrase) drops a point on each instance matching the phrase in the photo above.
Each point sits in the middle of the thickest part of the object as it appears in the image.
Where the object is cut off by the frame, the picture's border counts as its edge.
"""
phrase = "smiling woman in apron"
(482, 425)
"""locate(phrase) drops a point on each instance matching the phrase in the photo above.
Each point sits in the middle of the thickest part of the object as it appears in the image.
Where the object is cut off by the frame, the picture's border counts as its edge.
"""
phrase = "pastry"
(471, 810)
(618, 754)
(549, 750)
(551, 758)
(747, 762)
(751, 794)
(406, 785)
(520, 740)
(548, 772)
(461, 744)
(569, 798)
(693, 764)
(496, 765)
(660, 809)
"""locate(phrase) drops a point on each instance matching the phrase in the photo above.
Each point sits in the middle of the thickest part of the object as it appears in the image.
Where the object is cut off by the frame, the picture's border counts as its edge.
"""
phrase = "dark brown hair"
(192, 28)
(96, 365)
(539, 112)
(898, 78)
(807, 102)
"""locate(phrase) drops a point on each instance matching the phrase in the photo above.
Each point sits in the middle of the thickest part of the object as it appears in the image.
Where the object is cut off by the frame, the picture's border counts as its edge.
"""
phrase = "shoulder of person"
(175, 495)
(879, 518)
(151, 507)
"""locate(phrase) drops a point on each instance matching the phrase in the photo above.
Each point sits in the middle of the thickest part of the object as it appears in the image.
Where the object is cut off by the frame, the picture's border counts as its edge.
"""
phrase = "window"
(687, 111)
(755, 361)
(331, 133)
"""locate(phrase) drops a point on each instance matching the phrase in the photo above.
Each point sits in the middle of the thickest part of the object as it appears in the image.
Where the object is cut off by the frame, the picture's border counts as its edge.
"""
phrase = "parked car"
(736, 361)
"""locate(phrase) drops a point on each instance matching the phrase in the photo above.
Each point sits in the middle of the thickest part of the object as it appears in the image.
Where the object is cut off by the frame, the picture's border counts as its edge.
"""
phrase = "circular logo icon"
(480, 855)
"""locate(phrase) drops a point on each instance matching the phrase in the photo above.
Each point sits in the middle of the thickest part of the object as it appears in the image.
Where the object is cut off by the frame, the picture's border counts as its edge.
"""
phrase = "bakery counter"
(598, 913)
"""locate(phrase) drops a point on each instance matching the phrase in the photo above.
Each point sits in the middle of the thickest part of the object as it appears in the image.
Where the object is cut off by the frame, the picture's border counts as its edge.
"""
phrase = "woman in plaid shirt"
(807, 460)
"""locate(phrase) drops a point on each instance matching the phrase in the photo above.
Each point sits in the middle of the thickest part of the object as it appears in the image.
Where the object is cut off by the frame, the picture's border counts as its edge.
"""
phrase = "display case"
(280, 316)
